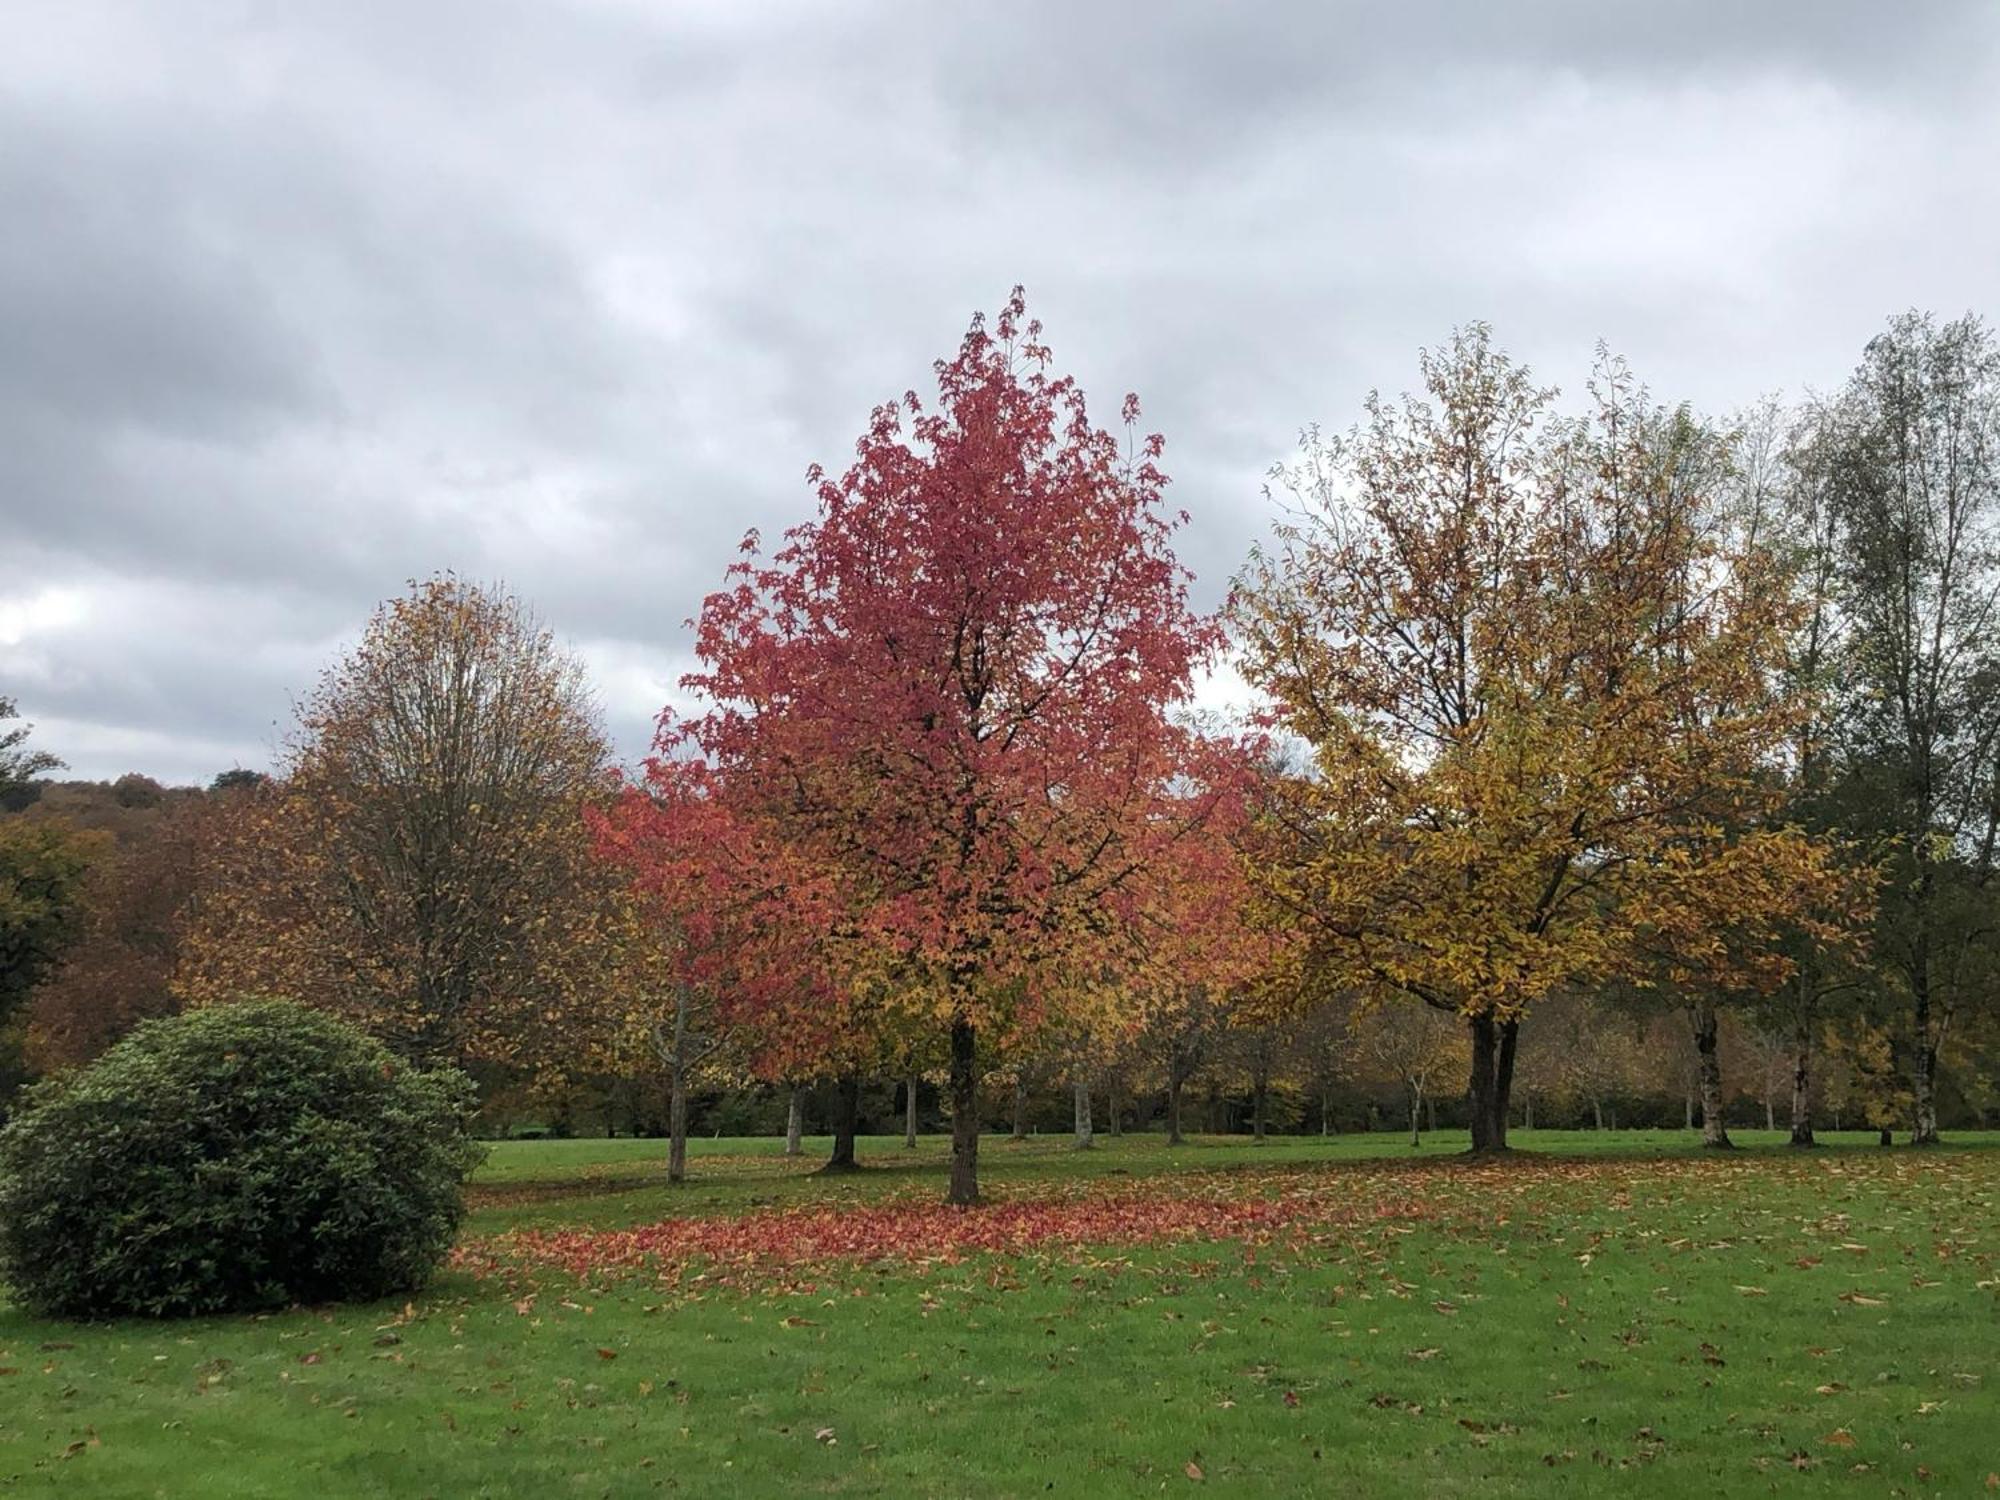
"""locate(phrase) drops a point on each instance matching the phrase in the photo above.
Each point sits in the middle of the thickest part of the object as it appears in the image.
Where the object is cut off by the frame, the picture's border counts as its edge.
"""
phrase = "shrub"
(242, 1156)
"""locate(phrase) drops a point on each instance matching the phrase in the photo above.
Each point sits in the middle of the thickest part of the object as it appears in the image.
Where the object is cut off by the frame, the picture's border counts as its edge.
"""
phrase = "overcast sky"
(300, 300)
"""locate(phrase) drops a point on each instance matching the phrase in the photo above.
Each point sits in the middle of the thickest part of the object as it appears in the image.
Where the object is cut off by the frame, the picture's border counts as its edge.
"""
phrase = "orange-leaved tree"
(422, 864)
(1536, 676)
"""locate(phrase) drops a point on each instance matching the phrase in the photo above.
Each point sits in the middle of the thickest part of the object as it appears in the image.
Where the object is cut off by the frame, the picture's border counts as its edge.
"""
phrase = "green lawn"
(1613, 1313)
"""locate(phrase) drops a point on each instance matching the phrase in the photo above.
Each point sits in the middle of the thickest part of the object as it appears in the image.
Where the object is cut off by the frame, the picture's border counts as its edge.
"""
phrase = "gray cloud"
(297, 302)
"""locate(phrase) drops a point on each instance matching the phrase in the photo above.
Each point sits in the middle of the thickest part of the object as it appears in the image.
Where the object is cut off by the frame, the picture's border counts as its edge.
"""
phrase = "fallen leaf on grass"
(1840, 1437)
(1193, 1471)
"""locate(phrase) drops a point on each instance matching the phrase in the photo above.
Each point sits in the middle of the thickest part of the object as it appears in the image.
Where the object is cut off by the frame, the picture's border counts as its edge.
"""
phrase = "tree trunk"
(1020, 1106)
(1416, 1115)
(677, 1099)
(1802, 1131)
(1493, 1044)
(1687, 1111)
(846, 1115)
(1597, 1113)
(1770, 1114)
(1924, 1128)
(1174, 1081)
(964, 1115)
(1085, 1134)
(795, 1122)
(1923, 1125)
(910, 1113)
(1528, 1112)
(677, 1125)
(1714, 1132)
(1111, 1111)
(1262, 1095)
(1325, 1113)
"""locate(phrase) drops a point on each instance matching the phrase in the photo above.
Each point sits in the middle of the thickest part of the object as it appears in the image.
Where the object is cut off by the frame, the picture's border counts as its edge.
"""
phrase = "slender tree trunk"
(964, 1114)
(1020, 1106)
(1416, 1115)
(1111, 1111)
(677, 1100)
(1714, 1132)
(1261, 1098)
(1174, 1081)
(910, 1113)
(1802, 1131)
(1493, 1045)
(1528, 1112)
(1085, 1134)
(1770, 1114)
(1924, 1128)
(846, 1116)
(1597, 1113)
(1687, 1111)
(795, 1122)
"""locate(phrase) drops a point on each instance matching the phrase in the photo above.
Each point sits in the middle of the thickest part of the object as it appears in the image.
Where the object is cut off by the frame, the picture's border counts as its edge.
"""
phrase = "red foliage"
(941, 768)
(758, 1249)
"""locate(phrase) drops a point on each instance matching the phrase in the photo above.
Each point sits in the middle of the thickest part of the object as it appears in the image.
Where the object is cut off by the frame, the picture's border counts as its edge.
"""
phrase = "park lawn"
(1627, 1315)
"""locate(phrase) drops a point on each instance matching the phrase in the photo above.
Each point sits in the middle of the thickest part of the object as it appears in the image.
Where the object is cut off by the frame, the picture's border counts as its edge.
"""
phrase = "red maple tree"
(943, 713)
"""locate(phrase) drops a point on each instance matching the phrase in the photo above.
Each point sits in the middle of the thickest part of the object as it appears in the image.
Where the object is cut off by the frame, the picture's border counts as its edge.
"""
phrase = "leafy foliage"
(940, 719)
(243, 1156)
(43, 868)
(423, 867)
(1534, 665)
(19, 766)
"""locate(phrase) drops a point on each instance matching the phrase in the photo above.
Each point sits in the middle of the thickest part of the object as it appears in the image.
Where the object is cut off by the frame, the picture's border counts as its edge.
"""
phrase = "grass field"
(1611, 1313)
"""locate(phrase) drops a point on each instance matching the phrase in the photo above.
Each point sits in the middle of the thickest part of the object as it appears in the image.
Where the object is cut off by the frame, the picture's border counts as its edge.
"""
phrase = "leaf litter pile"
(1592, 1206)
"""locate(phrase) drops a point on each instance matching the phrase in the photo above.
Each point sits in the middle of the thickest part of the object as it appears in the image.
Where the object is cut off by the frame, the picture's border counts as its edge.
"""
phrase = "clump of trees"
(1619, 763)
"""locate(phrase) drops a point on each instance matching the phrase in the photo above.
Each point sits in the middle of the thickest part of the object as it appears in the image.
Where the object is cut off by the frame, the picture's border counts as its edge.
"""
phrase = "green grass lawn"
(1613, 1313)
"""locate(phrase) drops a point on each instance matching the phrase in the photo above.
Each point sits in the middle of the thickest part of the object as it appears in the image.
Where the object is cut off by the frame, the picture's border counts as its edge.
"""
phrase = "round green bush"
(243, 1156)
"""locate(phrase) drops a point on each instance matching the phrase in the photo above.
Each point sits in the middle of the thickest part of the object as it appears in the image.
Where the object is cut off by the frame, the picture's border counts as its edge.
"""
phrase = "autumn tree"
(120, 968)
(724, 979)
(1534, 677)
(1183, 1025)
(1912, 461)
(421, 864)
(44, 864)
(1414, 1047)
(952, 696)
(20, 767)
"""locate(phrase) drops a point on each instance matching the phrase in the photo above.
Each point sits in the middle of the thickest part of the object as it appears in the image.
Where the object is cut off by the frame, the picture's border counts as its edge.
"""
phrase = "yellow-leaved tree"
(1535, 670)
(422, 863)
